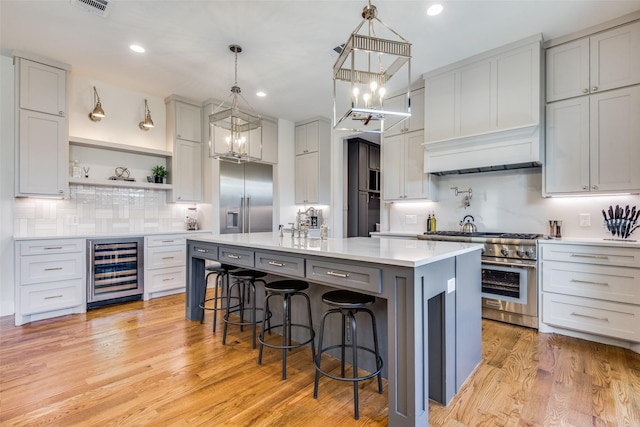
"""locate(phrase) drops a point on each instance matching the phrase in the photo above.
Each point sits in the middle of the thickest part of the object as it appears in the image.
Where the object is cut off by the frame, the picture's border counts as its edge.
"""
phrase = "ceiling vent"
(99, 7)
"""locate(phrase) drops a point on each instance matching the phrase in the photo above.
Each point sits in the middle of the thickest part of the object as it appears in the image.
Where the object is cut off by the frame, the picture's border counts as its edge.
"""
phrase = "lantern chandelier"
(360, 76)
(235, 135)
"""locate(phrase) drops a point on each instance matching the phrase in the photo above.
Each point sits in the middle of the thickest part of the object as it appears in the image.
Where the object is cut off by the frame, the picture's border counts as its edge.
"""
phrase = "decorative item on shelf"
(191, 220)
(86, 171)
(147, 123)
(159, 173)
(97, 113)
(360, 75)
(76, 170)
(122, 174)
(621, 222)
(235, 135)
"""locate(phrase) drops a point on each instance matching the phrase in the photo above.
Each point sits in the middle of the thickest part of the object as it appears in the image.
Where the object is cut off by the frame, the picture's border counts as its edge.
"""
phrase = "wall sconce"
(98, 113)
(147, 123)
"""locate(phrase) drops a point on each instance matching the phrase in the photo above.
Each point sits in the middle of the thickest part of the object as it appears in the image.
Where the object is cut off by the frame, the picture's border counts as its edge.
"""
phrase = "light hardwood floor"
(142, 363)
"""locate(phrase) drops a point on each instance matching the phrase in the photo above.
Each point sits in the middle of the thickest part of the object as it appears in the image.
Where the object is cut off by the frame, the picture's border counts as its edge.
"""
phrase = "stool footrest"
(288, 347)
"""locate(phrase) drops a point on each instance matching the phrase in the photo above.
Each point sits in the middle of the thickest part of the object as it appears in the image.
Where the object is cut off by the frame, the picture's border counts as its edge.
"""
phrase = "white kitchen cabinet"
(312, 168)
(50, 279)
(591, 289)
(269, 141)
(592, 143)
(42, 133)
(403, 174)
(164, 265)
(398, 103)
(494, 91)
(184, 140)
(606, 60)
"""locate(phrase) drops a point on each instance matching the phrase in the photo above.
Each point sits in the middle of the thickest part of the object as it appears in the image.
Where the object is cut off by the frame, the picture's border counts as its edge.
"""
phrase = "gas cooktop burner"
(487, 234)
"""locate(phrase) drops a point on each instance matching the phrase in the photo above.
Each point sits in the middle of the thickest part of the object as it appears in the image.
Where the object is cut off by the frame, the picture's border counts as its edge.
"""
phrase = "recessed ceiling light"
(434, 9)
(261, 94)
(136, 48)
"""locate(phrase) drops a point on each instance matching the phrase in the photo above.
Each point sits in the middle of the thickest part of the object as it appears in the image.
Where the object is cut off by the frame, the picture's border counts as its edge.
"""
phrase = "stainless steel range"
(509, 277)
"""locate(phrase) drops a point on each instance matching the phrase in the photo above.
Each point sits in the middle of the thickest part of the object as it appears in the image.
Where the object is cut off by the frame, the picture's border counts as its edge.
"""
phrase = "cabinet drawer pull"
(53, 297)
(168, 257)
(233, 256)
(603, 319)
(589, 282)
(167, 241)
(169, 280)
(589, 256)
(52, 248)
(333, 273)
(277, 264)
(493, 303)
(204, 251)
(53, 268)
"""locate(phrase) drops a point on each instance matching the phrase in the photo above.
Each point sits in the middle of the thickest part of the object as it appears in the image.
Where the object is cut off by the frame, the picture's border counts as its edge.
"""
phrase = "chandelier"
(360, 75)
(235, 135)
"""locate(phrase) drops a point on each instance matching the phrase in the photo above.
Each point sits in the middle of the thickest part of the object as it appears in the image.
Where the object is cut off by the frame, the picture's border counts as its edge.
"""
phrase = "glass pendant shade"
(235, 135)
(361, 76)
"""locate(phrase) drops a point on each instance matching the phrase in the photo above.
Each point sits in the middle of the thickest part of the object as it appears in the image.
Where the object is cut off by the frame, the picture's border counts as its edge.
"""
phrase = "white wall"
(508, 201)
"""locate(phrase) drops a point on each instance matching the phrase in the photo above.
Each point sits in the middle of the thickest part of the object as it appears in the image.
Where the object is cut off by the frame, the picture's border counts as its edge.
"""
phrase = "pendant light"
(97, 113)
(235, 135)
(361, 73)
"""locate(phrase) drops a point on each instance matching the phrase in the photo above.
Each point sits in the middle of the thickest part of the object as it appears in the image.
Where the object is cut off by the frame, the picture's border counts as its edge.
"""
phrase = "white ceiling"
(287, 44)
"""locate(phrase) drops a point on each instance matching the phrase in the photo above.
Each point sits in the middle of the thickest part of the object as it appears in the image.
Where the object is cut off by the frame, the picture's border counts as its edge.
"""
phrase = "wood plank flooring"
(142, 363)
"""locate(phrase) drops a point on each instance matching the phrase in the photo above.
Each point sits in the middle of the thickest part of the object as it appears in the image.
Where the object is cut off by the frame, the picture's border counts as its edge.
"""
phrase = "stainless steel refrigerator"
(246, 197)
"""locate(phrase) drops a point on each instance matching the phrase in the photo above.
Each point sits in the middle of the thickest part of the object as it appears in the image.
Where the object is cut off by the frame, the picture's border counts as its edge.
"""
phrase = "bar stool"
(347, 304)
(287, 289)
(221, 272)
(245, 282)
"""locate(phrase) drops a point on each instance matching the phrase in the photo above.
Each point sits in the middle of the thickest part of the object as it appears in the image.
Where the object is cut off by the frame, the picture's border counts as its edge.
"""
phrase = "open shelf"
(121, 184)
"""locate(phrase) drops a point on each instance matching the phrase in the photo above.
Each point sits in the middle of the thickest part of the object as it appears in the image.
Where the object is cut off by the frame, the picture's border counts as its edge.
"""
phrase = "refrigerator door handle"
(248, 214)
(244, 214)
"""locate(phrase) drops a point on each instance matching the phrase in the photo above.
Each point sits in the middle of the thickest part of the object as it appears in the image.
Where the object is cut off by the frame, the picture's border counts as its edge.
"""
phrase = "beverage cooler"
(115, 271)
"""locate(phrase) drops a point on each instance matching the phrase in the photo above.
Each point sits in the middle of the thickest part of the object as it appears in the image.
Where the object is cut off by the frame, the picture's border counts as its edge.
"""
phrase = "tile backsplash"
(94, 210)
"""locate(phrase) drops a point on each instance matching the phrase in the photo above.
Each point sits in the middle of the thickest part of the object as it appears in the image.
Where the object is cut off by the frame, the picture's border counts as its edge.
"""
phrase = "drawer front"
(278, 264)
(345, 275)
(165, 240)
(234, 256)
(602, 255)
(166, 279)
(609, 319)
(45, 297)
(620, 284)
(170, 256)
(209, 252)
(50, 268)
(42, 247)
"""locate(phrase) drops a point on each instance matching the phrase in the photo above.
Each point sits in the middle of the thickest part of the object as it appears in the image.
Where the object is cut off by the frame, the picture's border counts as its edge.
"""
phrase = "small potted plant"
(159, 174)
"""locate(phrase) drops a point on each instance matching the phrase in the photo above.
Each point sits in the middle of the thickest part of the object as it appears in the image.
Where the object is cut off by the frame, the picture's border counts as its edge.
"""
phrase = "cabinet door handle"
(277, 264)
(602, 319)
(589, 282)
(595, 88)
(233, 256)
(61, 112)
(595, 187)
(333, 273)
(589, 256)
(585, 187)
(52, 248)
(60, 191)
(53, 297)
(585, 90)
(53, 268)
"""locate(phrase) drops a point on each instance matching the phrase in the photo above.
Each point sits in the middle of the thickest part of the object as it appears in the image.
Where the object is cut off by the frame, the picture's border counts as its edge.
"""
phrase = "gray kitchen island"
(430, 293)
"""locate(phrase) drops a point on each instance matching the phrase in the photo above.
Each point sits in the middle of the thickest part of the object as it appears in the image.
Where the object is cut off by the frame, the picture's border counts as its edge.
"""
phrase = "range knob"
(521, 253)
(529, 253)
(504, 251)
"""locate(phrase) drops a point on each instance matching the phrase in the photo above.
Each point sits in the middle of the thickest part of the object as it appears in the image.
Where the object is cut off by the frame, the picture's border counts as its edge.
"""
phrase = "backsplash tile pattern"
(99, 210)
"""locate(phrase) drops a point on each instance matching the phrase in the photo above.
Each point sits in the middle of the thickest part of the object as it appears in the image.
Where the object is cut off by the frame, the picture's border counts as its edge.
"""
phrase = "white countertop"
(112, 235)
(631, 242)
(405, 253)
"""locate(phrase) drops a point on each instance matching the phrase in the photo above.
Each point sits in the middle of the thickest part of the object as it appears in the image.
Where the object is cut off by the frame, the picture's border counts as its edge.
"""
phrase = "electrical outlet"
(72, 220)
(585, 220)
(411, 219)
(451, 285)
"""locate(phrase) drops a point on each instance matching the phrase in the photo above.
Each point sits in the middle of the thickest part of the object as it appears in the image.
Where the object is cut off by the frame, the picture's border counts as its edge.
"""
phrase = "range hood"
(513, 148)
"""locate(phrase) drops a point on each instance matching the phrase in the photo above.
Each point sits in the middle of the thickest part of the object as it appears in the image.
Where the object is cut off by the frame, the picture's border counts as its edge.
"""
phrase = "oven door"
(510, 287)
